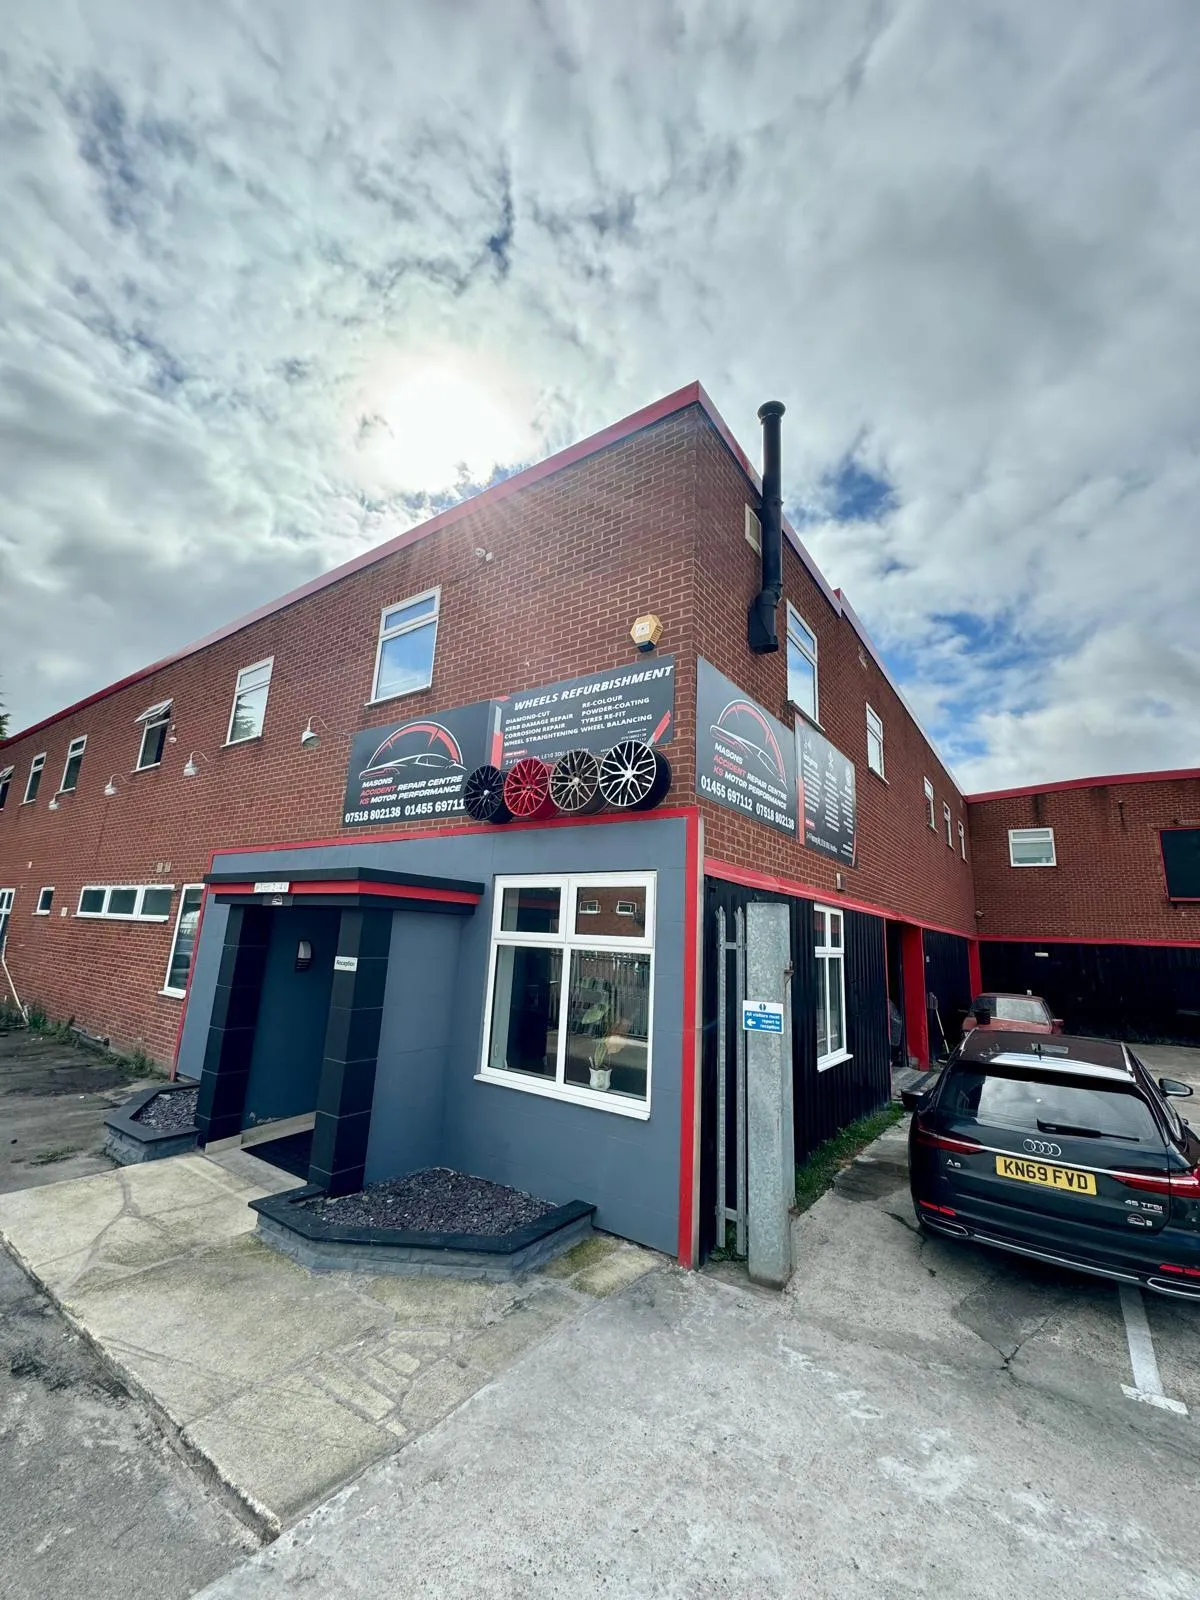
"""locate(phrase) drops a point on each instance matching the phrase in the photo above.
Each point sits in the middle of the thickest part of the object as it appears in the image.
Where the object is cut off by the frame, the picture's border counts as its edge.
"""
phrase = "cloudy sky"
(253, 250)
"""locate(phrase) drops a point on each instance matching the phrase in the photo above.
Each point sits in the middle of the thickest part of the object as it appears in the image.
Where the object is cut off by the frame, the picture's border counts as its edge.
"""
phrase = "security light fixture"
(54, 803)
(190, 769)
(110, 788)
(310, 738)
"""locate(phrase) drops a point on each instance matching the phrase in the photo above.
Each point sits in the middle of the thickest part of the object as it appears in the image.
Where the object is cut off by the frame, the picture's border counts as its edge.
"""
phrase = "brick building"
(254, 858)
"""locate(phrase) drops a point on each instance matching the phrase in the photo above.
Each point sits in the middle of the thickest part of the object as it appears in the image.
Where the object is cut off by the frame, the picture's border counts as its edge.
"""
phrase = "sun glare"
(429, 424)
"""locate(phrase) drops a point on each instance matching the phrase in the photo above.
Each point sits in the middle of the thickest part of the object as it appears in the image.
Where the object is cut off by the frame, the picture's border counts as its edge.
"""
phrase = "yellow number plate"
(1049, 1177)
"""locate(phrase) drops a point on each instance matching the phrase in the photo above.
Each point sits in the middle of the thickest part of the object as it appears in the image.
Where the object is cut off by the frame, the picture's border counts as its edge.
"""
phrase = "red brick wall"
(904, 866)
(576, 558)
(1108, 883)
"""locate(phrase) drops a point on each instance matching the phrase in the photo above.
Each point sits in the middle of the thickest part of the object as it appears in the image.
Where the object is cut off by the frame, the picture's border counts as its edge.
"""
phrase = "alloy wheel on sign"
(483, 795)
(634, 776)
(527, 788)
(575, 783)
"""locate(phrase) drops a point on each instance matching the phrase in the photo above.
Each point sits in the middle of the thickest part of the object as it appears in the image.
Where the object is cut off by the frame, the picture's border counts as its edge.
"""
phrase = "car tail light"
(1182, 1185)
(1188, 1272)
(941, 1141)
(944, 1211)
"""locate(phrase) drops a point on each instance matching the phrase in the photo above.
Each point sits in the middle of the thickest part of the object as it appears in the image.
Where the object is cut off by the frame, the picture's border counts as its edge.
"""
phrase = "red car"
(1028, 1012)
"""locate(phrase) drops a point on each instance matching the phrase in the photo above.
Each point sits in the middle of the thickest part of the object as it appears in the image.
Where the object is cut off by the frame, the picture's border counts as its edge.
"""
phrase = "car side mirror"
(1057, 1024)
(1177, 1090)
(982, 1016)
(910, 1099)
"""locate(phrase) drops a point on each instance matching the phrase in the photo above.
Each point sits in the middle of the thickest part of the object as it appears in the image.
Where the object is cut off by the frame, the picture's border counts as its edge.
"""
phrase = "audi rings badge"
(1041, 1147)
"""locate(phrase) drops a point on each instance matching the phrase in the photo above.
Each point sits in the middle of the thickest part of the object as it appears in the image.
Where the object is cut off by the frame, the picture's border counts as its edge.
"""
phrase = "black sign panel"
(745, 758)
(827, 796)
(593, 713)
(416, 768)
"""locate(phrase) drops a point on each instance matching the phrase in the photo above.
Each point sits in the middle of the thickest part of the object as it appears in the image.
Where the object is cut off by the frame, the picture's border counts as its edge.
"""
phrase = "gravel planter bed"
(170, 1113)
(437, 1221)
(437, 1200)
(154, 1124)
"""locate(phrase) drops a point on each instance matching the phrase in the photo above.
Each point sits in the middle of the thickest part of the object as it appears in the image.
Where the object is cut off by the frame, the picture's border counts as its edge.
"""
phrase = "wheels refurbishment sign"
(827, 797)
(415, 769)
(745, 758)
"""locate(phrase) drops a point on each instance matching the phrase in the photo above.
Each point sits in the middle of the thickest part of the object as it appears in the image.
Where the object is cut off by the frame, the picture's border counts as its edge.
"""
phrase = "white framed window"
(875, 741)
(6, 904)
(1031, 847)
(45, 900)
(949, 821)
(962, 839)
(831, 987)
(407, 640)
(70, 777)
(571, 989)
(801, 664)
(249, 710)
(753, 531)
(5, 780)
(930, 813)
(34, 781)
(155, 722)
(183, 941)
(126, 902)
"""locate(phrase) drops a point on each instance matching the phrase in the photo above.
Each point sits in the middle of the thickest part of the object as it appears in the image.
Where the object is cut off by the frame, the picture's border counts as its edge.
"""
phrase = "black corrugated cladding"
(1121, 991)
(948, 977)
(824, 1101)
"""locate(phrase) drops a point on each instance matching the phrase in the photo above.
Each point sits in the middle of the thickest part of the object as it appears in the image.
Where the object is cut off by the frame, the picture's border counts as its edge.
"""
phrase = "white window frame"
(568, 940)
(828, 952)
(255, 666)
(1030, 834)
(800, 635)
(7, 897)
(75, 752)
(181, 994)
(930, 806)
(948, 819)
(136, 915)
(753, 530)
(962, 838)
(6, 778)
(875, 731)
(41, 910)
(36, 767)
(155, 716)
(431, 618)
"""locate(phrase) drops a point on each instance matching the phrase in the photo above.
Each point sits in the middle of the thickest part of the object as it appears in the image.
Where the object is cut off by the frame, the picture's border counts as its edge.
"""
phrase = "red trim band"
(1069, 938)
(810, 891)
(389, 891)
(1183, 775)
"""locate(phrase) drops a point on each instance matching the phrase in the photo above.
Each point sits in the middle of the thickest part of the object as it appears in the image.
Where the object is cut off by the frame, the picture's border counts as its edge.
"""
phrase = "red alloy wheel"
(527, 789)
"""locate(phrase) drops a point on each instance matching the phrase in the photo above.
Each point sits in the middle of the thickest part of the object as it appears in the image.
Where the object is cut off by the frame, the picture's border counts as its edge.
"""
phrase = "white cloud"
(249, 249)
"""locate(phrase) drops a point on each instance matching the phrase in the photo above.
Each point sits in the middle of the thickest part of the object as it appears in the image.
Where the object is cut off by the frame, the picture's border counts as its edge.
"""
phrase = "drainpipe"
(762, 633)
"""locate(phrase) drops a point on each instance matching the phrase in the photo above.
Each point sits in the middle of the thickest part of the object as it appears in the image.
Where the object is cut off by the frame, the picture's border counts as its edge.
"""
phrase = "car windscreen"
(1012, 1008)
(1008, 1098)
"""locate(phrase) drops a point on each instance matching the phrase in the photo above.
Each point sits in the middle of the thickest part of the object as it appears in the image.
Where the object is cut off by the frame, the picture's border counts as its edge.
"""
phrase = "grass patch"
(815, 1175)
(45, 1158)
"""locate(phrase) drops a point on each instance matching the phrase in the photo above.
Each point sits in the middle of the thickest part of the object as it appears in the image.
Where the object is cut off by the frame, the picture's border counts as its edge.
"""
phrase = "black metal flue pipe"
(762, 632)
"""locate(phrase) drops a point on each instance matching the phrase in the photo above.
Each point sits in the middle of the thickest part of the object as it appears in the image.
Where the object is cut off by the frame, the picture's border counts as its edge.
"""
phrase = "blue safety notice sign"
(762, 1016)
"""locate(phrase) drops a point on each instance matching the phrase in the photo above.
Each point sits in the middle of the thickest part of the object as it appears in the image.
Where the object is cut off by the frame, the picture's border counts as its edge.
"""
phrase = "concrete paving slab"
(280, 1382)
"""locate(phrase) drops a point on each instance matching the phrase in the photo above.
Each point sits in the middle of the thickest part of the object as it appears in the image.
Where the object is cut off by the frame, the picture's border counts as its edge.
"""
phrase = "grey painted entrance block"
(769, 1137)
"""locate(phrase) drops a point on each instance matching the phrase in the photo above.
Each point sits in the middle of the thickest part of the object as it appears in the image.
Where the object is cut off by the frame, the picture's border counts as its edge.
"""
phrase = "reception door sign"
(415, 769)
(745, 757)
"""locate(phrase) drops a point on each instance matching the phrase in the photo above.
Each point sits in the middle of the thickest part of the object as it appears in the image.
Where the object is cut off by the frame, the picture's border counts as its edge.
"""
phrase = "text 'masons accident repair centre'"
(431, 850)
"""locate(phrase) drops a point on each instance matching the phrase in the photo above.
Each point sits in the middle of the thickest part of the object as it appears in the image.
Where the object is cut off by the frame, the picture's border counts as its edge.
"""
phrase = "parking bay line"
(1147, 1384)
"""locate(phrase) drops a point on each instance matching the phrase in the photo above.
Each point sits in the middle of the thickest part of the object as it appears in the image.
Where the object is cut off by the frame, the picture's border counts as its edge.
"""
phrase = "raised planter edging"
(129, 1142)
(308, 1239)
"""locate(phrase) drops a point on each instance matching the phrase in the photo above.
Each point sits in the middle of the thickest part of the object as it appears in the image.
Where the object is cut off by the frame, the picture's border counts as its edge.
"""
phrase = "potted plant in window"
(614, 1029)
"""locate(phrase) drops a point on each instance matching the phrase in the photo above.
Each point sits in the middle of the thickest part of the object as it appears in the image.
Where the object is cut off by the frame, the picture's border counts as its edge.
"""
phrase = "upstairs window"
(5, 780)
(250, 702)
(44, 901)
(962, 840)
(875, 742)
(801, 664)
(1031, 847)
(70, 777)
(34, 781)
(949, 821)
(407, 638)
(930, 813)
(155, 721)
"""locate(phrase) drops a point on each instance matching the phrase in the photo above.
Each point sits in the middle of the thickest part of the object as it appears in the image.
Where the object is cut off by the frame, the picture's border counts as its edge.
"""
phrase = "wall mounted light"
(303, 956)
(110, 788)
(309, 737)
(190, 769)
(54, 803)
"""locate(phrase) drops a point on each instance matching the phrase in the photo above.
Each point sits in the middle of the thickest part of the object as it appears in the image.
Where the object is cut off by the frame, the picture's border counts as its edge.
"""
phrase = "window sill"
(811, 721)
(594, 1100)
(1037, 866)
(231, 744)
(882, 779)
(174, 994)
(42, 913)
(118, 916)
(401, 694)
(824, 1063)
(151, 766)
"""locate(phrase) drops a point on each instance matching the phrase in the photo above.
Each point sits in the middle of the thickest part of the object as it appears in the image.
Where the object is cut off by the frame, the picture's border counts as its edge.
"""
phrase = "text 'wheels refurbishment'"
(575, 784)
(527, 789)
(483, 795)
(634, 776)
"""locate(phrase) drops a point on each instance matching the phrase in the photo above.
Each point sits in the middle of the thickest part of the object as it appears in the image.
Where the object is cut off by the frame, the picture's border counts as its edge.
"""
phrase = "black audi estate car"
(1063, 1149)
